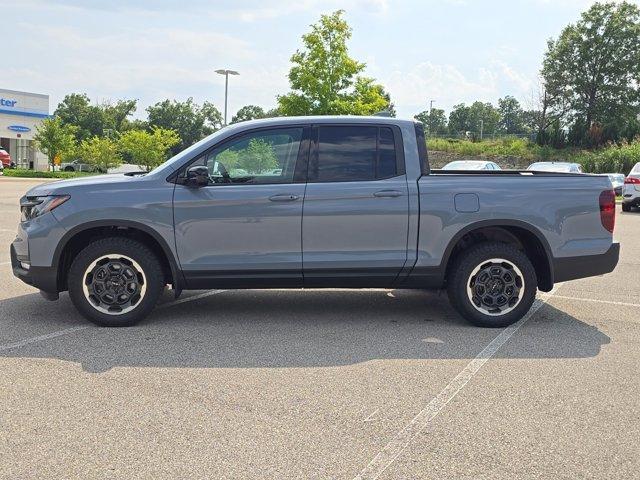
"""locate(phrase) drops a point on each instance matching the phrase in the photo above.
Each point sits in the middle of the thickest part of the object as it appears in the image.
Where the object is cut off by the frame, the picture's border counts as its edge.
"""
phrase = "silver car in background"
(557, 167)
(471, 165)
(631, 190)
(617, 180)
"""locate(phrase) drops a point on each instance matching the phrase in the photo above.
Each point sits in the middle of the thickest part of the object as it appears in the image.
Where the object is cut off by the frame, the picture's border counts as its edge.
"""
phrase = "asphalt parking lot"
(322, 384)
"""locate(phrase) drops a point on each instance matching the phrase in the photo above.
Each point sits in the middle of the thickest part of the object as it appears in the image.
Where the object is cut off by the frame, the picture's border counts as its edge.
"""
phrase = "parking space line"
(193, 297)
(5, 263)
(40, 338)
(66, 331)
(593, 300)
(402, 439)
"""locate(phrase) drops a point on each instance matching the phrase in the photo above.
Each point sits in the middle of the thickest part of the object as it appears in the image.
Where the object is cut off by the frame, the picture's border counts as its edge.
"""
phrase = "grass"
(609, 159)
(24, 173)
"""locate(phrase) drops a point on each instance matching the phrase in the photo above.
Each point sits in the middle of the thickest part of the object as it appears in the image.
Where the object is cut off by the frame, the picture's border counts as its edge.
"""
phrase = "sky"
(449, 51)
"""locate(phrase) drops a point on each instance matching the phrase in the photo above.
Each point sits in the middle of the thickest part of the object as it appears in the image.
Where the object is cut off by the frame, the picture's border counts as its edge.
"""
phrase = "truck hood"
(62, 187)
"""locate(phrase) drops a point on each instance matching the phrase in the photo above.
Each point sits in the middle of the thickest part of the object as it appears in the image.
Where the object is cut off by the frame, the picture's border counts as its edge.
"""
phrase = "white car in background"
(631, 190)
(557, 167)
(471, 165)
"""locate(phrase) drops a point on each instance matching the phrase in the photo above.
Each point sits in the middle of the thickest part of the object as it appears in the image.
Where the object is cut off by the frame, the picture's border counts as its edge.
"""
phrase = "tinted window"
(354, 153)
(345, 154)
(265, 156)
(387, 164)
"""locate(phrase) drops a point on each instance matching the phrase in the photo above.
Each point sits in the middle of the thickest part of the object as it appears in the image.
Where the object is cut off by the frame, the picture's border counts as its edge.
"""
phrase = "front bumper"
(43, 278)
(571, 268)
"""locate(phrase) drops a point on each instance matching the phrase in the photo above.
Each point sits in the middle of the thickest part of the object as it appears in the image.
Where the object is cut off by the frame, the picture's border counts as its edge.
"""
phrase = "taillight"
(632, 180)
(608, 209)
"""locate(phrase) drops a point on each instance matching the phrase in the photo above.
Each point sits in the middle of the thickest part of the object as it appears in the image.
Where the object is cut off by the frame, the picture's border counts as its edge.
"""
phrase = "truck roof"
(319, 119)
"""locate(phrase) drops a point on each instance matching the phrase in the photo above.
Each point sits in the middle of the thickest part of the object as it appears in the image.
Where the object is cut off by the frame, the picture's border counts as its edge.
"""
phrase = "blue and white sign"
(19, 128)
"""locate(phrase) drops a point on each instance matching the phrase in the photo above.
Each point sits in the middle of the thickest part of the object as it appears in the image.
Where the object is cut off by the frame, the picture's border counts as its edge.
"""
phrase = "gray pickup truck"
(314, 202)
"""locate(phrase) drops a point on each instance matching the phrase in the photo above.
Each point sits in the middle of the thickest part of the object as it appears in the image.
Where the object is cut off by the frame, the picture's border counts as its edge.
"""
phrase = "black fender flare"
(500, 223)
(176, 272)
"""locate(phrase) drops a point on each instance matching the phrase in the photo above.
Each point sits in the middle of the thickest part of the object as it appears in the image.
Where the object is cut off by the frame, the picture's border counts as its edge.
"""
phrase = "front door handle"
(387, 193)
(284, 198)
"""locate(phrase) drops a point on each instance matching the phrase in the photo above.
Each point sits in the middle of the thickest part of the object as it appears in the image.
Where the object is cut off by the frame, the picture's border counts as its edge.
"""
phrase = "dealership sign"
(19, 128)
(7, 103)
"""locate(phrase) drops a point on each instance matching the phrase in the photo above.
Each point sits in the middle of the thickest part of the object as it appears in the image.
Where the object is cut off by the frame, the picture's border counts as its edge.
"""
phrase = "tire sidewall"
(462, 273)
(133, 249)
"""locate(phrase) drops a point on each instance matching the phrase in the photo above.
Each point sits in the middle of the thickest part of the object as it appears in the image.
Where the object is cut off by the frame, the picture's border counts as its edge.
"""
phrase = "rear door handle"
(387, 193)
(284, 198)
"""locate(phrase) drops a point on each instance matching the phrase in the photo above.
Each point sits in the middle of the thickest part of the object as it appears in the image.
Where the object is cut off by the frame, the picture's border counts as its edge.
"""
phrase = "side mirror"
(198, 176)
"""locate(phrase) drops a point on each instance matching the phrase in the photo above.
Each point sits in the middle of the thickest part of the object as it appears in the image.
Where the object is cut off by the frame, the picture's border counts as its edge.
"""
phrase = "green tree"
(511, 116)
(100, 152)
(248, 112)
(324, 78)
(258, 157)
(434, 120)
(55, 139)
(477, 117)
(189, 120)
(592, 71)
(459, 119)
(148, 149)
(94, 120)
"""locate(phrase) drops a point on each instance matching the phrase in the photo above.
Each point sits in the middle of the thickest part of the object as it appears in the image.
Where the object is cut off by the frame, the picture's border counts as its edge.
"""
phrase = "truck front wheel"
(115, 281)
(492, 284)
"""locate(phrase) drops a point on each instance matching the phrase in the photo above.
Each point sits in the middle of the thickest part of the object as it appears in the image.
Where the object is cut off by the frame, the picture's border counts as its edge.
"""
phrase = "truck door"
(244, 228)
(356, 209)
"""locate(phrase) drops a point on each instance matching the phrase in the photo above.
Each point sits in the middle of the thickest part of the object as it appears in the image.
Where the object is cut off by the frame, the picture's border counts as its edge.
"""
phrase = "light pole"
(226, 74)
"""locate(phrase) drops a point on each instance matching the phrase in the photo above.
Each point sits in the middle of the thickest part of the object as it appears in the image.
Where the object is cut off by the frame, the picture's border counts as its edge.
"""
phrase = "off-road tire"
(144, 259)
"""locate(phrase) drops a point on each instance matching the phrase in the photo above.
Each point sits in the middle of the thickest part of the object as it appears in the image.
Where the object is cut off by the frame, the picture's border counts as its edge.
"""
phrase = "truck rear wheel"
(492, 284)
(115, 281)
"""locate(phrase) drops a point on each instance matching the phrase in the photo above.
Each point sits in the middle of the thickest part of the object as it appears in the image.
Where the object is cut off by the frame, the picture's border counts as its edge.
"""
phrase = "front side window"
(265, 156)
(354, 153)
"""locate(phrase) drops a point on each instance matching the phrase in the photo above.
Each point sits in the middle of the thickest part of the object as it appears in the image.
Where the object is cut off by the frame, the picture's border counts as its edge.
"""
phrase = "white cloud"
(411, 90)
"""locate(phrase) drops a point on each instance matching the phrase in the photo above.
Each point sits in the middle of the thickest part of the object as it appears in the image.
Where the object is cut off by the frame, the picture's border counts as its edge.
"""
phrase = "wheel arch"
(76, 238)
(528, 238)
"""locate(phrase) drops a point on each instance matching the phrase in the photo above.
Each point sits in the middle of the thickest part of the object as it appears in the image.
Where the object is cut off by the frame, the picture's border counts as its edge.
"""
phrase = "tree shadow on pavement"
(289, 328)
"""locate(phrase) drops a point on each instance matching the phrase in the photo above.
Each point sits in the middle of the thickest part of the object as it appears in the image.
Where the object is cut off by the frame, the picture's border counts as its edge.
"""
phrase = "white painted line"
(190, 299)
(41, 338)
(67, 331)
(370, 417)
(395, 447)
(5, 263)
(593, 300)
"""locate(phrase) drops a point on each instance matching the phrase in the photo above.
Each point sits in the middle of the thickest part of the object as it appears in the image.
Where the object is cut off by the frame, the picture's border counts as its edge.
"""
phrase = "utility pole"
(226, 74)
(430, 118)
(481, 128)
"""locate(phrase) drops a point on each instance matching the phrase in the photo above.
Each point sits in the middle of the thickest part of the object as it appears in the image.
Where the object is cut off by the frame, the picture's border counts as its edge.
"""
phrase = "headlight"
(32, 207)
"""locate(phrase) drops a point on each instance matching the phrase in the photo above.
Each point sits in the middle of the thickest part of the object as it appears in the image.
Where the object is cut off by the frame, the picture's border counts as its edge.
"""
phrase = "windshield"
(186, 153)
(636, 168)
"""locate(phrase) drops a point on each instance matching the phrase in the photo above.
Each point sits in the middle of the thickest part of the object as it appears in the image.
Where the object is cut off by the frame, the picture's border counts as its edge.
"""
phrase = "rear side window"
(354, 153)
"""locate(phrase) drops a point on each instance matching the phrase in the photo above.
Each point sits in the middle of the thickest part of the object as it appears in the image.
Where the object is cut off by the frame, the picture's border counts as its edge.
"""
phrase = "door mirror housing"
(197, 176)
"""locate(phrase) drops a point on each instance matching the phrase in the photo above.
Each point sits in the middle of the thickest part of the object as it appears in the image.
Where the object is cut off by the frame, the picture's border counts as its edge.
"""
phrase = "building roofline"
(20, 92)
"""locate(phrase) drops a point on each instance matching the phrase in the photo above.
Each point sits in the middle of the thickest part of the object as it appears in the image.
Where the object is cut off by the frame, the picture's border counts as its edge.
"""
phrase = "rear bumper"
(43, 278)
(571, 268)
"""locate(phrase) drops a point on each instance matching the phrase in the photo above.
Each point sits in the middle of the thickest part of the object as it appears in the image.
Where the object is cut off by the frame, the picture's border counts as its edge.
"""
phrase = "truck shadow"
(288, 328)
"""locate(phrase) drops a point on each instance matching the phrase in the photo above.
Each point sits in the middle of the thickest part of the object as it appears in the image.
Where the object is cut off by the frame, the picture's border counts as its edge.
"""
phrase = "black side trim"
(206, 279)
(319, 278)
(571, 268)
